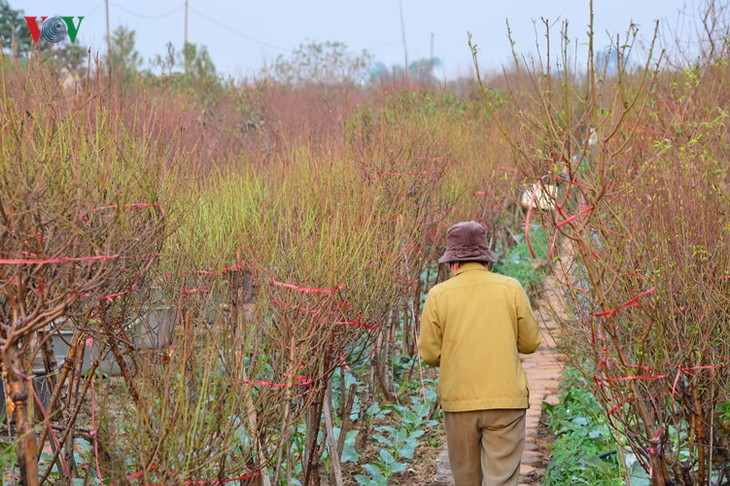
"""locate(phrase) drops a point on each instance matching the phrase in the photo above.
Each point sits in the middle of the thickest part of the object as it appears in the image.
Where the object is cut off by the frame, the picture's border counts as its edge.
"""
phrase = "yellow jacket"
(473, 326)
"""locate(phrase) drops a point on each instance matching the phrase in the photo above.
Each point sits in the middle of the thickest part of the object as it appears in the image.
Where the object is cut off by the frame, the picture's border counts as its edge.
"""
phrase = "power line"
(98, 6)
(149, 16)
(236, 32)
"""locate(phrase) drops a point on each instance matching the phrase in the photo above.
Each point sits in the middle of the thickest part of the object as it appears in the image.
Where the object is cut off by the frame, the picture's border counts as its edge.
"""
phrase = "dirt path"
(543, 372)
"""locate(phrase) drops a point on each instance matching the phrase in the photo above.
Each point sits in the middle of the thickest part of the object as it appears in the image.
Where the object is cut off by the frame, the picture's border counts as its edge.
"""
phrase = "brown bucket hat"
(467, 241)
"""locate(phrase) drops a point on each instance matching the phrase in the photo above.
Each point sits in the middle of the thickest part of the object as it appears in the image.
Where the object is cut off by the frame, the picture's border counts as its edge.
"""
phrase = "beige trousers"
(485, 446)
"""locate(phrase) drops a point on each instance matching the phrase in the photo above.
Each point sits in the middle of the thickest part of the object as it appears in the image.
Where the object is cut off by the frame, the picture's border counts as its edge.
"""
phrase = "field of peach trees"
(211, 282)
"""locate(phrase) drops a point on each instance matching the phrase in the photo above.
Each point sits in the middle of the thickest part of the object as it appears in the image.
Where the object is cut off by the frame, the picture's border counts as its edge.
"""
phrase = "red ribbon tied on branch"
(627, 304)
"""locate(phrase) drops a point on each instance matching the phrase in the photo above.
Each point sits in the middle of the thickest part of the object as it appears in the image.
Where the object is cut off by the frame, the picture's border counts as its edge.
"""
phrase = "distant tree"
(123, 57)
(198, 63)
(14, 32)
(192, 72)
(607, 62)
(166, 62)
(377, 72)
(322, 63)
(193, 63)
(420, 69)
(423, 68)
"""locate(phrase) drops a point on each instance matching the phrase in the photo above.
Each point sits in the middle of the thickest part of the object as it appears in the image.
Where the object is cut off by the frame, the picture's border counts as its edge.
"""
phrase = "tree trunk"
(331, 439)
(26, 450)
(659, 473)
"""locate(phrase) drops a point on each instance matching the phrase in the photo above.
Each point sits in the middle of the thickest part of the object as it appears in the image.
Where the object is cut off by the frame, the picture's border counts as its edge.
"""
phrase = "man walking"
(473, 328)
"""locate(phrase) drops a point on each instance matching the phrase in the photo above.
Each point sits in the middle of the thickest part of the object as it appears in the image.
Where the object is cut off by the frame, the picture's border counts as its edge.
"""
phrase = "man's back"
(473, 327)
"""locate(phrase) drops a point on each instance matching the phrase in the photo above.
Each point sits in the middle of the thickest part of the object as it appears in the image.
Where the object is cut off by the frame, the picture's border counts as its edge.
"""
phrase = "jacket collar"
(466, 267)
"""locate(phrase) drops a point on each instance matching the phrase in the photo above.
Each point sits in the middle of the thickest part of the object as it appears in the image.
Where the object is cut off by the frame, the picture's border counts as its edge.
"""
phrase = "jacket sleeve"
(529, 336)
(430, 336)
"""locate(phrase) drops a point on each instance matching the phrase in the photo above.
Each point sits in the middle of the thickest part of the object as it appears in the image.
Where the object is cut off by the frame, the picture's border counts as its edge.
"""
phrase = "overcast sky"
(241, 35)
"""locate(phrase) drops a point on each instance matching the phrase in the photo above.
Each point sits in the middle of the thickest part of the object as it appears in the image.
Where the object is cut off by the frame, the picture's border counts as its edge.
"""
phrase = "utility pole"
(430, 60)
(403, 32)
(185, 37)
(108, 34)
(108, 43)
